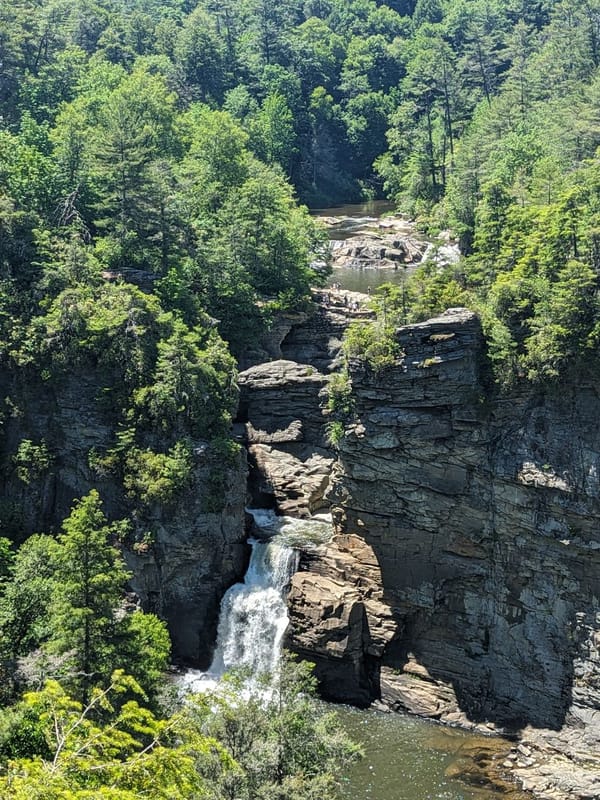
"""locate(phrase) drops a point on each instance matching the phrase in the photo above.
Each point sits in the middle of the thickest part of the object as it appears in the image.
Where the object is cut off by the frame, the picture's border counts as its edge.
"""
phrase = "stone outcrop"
(282, 406)
(183, 555)
(482, 516)
(371, 243)
(378, 251)
(339, 618)
(281, 403)
(268, 346)
(197, 553)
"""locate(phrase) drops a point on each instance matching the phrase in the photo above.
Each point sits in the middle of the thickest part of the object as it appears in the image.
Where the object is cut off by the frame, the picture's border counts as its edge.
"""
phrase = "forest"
(158, 160)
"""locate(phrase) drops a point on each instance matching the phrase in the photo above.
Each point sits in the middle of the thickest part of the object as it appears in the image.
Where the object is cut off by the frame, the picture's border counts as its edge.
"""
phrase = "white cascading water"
(253, 617)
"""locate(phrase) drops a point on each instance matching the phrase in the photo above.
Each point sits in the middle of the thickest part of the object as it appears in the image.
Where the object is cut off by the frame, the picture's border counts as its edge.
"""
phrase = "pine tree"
(89, 580)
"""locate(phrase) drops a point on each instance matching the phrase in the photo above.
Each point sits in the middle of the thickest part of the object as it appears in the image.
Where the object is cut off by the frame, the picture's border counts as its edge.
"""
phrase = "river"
(363, 220)
(407, 758)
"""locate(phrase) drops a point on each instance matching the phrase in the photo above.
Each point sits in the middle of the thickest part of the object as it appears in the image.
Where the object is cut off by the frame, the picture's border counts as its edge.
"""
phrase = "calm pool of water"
(408, 759)
(363, 280)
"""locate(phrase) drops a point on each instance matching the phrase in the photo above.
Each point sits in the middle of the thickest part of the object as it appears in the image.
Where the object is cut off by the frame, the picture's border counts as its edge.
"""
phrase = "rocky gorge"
(462, 581)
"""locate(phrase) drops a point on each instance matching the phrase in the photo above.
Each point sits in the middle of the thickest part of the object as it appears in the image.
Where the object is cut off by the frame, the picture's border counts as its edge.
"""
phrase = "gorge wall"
(483, 518)
(183, 554)
(463, 581)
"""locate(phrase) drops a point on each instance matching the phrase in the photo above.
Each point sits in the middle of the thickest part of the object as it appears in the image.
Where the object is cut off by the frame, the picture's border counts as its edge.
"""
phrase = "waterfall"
(253, 617)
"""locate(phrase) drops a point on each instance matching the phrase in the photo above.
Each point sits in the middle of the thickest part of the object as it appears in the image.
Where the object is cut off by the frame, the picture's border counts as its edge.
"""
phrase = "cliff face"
(482, 518)
(183, 555)
(281, 408)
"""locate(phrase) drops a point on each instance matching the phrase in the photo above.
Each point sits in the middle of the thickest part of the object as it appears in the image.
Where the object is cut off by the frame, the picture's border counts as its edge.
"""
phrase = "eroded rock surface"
(339, 618)
(283, 407)
(377, 252)
(369, 243)
(482, 516)
(281, 404)
(184, 555)
(197, 553)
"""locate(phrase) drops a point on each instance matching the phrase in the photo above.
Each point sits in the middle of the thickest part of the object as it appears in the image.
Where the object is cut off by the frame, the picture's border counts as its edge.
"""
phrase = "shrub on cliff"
(372, 342)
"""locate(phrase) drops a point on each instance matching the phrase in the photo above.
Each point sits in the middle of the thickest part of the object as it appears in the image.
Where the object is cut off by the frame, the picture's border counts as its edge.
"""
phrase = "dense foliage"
(218, 746)
(90, 722)
(62, 612)
(149, 232)
(158, 137)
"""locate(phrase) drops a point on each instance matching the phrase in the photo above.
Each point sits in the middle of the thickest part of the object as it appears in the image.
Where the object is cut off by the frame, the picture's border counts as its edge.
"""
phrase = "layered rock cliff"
(481, 517)
(282, 404)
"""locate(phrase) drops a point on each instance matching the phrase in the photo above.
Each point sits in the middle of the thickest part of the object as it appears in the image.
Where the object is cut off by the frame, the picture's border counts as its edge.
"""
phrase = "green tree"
(217, 162)
(283, 745)
(135, 128)
(317, 53)
(88, 582)
(26, 596)
(272, 134)
(483, 52)
(86, 625)
(565, 326)
(102, 748)
(200, 53)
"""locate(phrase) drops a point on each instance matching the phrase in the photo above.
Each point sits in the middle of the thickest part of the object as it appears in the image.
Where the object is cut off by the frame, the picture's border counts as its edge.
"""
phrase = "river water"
(362, 219)
(407, 758)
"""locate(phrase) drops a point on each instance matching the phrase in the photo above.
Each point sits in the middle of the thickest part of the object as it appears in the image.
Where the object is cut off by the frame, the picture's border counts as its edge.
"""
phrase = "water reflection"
(365, 280)
(372, 208)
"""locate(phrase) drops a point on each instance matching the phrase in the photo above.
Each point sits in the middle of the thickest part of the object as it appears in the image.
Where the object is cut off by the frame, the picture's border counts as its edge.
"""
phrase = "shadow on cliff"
(482, 512)
(502, 649)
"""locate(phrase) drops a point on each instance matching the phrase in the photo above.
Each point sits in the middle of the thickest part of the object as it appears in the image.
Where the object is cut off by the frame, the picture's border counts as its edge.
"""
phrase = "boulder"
(338, 617)
(378, 251)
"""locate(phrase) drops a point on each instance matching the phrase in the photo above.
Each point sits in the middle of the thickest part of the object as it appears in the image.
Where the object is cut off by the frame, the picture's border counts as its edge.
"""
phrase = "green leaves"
(192, 387)
(216, 746)
(90, 576)
(101, 748)
(153, 478)
(280, 744)
(60, 608)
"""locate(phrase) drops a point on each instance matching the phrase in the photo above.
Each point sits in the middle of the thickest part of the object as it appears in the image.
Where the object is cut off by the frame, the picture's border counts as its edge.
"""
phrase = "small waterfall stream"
(253, 617)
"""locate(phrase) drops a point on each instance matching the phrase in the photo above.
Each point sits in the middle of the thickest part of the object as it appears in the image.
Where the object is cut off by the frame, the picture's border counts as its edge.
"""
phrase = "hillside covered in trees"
(156, 136)
(157, 158)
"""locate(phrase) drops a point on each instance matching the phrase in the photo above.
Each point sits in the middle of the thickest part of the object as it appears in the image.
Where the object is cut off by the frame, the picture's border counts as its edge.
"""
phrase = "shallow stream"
(362, 219)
